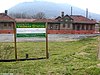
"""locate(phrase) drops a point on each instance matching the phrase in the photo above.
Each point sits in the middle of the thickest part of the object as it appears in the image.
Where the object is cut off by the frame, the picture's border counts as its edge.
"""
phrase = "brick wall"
(71, 31)
(6, 31)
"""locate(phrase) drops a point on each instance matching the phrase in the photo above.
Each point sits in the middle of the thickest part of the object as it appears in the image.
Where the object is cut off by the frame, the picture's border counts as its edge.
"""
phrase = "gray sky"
(92, 5)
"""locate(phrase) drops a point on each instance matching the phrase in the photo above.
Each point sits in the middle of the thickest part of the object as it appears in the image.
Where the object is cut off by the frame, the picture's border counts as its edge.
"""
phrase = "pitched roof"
(82, 19)
(35, 20)
(46, 20)
(67, 16)
(75, 18)
(5, 18)
(59, 17)
(24, 20)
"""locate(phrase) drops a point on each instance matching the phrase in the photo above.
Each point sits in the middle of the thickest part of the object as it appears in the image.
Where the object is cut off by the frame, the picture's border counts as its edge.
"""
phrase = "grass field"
(65, 58)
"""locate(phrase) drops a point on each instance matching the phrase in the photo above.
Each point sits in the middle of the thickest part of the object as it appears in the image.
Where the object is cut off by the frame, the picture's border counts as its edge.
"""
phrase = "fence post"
(15, 40)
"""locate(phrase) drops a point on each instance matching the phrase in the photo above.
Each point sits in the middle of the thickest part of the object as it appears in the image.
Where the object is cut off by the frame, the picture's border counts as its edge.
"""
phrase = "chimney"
(62, 14)
(86, 13)
(6, 12)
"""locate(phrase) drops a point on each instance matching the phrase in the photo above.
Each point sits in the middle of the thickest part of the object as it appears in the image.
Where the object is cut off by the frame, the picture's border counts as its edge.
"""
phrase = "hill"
(50, 9)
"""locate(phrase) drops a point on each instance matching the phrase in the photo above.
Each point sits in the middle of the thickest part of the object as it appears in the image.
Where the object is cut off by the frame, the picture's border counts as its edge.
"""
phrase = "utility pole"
(86, 12)
(71, 10)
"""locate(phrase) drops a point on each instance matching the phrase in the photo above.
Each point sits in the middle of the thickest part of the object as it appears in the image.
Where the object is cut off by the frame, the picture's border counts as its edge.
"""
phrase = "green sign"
(31, 29)
(30, 25)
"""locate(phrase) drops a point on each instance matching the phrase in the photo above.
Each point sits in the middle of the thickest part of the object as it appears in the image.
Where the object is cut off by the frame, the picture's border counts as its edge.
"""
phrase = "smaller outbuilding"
(7, 24)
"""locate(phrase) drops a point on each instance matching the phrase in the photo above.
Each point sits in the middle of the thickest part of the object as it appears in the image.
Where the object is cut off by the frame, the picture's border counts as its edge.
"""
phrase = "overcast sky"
(92, 5)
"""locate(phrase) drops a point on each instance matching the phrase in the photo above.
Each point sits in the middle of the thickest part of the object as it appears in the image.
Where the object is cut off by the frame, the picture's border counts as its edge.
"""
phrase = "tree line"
(39, 15)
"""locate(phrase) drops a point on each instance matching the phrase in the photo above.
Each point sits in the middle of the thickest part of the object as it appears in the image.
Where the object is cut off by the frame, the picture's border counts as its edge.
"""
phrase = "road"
(51, 37)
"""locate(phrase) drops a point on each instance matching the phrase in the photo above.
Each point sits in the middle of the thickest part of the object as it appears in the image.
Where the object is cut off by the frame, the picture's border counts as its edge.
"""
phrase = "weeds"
(5, 51)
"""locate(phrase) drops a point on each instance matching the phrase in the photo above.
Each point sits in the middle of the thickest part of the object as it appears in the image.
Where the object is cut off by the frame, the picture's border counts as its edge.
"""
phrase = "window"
(78, 27)
(91, 27)
(66, 20)
(9, 24)
(68, 25)
(63, 25)
(82, 27)
(51, 26)
(1, 26)
(86, 27)
(56, 27)
(73, 27)
(5, 24)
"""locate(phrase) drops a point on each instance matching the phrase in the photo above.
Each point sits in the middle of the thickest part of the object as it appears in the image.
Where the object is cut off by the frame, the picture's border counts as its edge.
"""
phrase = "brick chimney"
(62, 14)
(6, 12)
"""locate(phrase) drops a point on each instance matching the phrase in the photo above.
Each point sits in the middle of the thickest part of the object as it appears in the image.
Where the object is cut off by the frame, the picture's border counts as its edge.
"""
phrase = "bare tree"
(39, 15)
(18, 15)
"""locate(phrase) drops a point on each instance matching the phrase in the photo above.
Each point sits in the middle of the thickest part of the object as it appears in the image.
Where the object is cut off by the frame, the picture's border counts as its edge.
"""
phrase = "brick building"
(6, 24)
(65, 24)
(74, 24)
